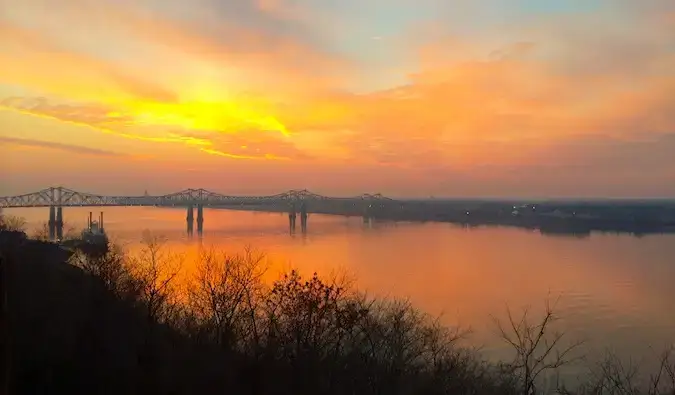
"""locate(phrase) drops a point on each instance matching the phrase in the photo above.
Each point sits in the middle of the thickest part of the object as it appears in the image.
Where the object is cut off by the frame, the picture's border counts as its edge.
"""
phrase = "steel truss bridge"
(64, 197)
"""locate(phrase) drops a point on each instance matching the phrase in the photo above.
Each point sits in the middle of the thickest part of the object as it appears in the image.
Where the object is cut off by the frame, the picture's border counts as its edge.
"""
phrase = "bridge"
(294, 200)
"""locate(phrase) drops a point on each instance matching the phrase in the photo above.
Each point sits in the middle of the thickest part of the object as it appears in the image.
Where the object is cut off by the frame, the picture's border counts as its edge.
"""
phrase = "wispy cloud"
(254, 144)
(77, 149)
(35, 60)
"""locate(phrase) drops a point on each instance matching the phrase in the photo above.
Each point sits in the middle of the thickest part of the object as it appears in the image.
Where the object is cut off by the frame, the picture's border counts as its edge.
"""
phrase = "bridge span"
(294, 201)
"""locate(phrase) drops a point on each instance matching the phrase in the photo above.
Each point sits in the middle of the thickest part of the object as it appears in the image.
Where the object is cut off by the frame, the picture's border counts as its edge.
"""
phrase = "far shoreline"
(555, 219)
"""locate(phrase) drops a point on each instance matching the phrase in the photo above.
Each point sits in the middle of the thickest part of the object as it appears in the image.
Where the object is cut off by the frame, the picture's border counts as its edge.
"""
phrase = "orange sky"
(407, 98)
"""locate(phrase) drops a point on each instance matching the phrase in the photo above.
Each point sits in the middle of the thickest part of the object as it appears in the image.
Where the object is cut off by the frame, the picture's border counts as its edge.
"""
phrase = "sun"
(221, 116)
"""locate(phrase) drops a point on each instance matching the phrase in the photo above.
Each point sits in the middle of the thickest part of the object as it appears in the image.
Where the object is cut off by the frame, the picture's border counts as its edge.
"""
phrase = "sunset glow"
(402, 97)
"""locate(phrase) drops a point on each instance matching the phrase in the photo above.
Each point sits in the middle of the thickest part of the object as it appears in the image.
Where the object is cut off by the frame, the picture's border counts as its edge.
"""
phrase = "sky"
(408, 98)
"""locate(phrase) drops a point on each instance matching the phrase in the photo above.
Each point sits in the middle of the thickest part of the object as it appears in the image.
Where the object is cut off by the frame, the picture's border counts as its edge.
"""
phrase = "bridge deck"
(59, 196)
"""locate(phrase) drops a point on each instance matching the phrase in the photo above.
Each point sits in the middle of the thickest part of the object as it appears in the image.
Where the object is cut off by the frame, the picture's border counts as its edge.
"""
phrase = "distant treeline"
(550, 217)
(98, 321)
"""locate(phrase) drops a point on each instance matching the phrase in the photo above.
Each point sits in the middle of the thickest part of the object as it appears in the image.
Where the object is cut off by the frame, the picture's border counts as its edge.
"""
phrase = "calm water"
(615, 291)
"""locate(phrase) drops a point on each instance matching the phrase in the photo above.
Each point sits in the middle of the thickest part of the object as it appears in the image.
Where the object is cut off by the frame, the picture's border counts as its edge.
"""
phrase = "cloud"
(77, 149)
(37, 61)
(264, 80)
(238, 39)
(250, 144)
(245, 144)
(93, 114)
(515, 104)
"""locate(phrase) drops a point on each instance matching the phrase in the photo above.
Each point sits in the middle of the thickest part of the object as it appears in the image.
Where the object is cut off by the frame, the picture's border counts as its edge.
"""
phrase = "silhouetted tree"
(154, 270)
(225, 295)
(42, 232)
(612, 376)
(536, 350)
(111, 267)
(12, 223)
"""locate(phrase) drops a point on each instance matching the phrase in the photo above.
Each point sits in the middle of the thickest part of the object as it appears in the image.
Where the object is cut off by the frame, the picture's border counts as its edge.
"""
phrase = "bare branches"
(111, 267)
(612, 376)
(12, 223)
(70, 232)
(225, 293)
(663, 381)
(537, 349)
(42, 232)
(155, 271)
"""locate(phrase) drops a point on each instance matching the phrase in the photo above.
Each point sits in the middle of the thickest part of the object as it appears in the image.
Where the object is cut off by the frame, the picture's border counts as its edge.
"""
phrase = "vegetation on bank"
(102, 322)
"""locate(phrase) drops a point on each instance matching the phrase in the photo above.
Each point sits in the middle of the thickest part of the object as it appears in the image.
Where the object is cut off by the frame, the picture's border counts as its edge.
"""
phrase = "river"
(615, 291)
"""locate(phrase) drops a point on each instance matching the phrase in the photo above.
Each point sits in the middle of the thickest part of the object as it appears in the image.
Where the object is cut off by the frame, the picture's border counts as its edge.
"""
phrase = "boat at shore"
(95, 232)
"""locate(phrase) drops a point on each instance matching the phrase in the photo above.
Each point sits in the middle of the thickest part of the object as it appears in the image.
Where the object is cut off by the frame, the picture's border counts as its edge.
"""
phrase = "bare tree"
(42, 232)
(70, 232)
(663, 381)
(612, 376)
(536, 349)
(225, 293)
(111, 268)
(12, 223)
(155, 270)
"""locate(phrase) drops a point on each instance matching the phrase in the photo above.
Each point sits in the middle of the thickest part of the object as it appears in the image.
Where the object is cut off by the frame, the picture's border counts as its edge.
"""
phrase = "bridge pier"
(55, 223)
(367, 210)
(200, 219)
(59, 223)
(303, 217)
(52, 223)
(368, 214)
(292, 215)
(190, 219)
